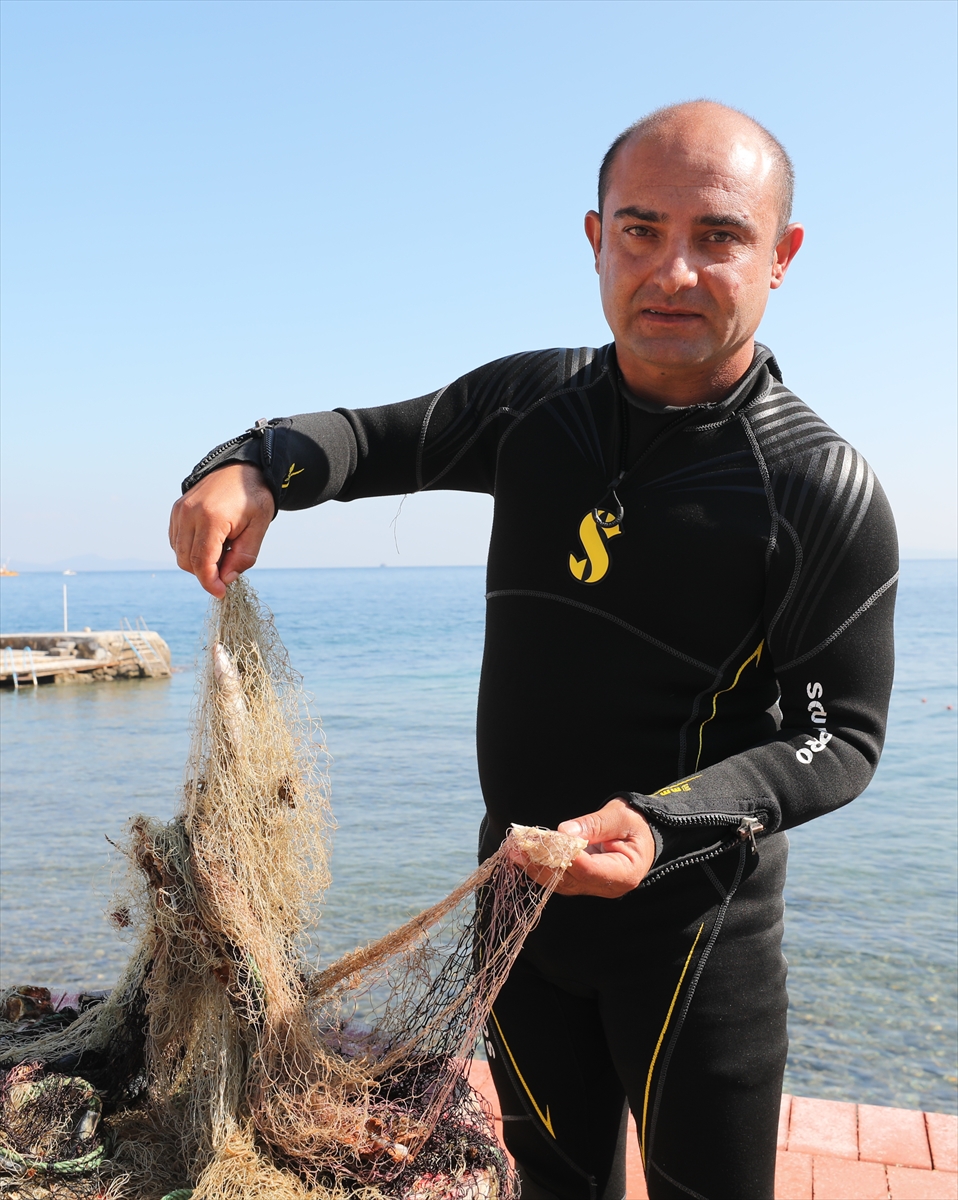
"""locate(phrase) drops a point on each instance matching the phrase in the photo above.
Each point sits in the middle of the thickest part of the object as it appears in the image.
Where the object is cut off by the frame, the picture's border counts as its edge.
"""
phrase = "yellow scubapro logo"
(289, 475)
(594, 536)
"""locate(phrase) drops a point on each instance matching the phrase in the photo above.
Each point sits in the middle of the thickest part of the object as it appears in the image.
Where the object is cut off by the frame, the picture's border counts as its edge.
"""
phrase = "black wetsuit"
(688, 607)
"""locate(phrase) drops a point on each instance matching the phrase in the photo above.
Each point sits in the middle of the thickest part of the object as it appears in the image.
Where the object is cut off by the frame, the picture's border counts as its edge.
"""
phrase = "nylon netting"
(226, 1060)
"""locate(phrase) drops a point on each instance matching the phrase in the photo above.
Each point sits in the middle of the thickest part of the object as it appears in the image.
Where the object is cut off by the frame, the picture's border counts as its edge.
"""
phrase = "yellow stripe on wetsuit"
(756, 657)
(658, 1044)
(545, 1119)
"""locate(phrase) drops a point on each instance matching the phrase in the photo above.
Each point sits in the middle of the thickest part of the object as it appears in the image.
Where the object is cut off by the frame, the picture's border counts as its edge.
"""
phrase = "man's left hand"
(620, 852)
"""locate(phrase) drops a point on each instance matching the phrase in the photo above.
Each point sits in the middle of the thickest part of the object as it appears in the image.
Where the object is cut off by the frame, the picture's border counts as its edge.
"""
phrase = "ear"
(788, 246)
(593, 231)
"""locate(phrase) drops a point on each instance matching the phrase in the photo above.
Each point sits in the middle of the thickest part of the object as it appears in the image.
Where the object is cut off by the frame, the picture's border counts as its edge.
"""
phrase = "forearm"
(834, 708)
(444, 439)
(230, 496)
(347, 454)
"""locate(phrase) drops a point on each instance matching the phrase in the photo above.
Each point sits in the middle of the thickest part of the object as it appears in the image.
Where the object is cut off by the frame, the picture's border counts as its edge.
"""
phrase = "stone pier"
(84, 656)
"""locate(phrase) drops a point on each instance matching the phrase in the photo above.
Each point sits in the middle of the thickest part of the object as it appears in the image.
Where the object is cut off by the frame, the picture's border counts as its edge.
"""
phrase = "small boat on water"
(69, 572)
(5, 569)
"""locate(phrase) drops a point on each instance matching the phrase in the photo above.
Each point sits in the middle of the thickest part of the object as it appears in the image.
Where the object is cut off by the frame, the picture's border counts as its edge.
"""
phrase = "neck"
(682, 387)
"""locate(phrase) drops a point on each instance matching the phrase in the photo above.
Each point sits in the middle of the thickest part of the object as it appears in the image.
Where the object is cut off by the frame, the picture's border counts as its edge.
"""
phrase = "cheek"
(739, 292)
(613, 280)
(621, 274)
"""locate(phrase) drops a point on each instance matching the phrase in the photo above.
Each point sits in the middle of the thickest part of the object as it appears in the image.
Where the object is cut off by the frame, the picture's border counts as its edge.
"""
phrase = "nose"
(675, 272)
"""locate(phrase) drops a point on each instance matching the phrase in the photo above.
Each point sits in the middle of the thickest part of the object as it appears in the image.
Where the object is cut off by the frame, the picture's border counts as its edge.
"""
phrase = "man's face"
(687, 249)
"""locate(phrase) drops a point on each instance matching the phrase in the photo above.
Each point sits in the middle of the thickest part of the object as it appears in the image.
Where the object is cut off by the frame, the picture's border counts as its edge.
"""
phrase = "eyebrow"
(642, 214)
(659, 218)
(723, 219)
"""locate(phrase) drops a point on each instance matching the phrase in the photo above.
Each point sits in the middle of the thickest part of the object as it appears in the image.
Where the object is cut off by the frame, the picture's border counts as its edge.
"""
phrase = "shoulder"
(803, 453)
(788, 432)
(519, 380)
(820, 481)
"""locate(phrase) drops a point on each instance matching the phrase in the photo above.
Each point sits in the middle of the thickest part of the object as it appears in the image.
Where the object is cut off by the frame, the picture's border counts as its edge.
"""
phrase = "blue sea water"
(392, 659)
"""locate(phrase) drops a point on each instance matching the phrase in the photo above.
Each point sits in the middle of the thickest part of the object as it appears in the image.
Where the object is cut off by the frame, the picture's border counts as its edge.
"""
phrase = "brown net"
(223, 1062)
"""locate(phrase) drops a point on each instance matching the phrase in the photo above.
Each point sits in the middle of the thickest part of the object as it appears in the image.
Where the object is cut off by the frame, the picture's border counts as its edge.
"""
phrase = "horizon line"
(38, 570)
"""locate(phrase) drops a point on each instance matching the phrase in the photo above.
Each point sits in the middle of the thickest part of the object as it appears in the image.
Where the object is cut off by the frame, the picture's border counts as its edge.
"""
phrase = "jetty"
(85, 656)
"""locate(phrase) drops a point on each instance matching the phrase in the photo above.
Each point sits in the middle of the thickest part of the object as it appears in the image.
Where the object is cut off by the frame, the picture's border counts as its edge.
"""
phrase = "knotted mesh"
(225, 1060)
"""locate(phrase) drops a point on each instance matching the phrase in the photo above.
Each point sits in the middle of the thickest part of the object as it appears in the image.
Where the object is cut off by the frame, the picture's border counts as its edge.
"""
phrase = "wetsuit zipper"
(746, 827)
(262, 429)
(218, 450)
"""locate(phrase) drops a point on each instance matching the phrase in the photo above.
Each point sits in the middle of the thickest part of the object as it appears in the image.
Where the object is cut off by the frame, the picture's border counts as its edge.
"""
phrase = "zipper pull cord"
(616, 519)
(621, 438)
(749, 827)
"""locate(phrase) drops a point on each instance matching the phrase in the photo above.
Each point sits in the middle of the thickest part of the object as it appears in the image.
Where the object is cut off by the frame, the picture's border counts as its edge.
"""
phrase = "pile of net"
(228, 1062)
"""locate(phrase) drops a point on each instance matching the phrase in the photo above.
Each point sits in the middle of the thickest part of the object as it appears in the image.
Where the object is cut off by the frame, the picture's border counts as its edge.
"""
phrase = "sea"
(390, 658)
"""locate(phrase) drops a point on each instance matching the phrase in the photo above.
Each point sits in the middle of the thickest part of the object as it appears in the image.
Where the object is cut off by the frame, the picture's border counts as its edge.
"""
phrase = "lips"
(669, 312)
(670, 316)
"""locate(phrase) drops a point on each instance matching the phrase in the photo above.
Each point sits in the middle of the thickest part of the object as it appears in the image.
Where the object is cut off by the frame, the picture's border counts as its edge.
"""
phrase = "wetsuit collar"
(763, 357)
(610, 510)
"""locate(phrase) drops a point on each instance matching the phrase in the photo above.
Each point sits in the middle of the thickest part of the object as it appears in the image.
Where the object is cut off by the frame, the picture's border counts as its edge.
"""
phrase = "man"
(689, 640)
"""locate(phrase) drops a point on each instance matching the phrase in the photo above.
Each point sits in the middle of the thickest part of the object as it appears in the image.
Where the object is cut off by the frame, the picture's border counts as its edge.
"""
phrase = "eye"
(720, 236)
(639, 231)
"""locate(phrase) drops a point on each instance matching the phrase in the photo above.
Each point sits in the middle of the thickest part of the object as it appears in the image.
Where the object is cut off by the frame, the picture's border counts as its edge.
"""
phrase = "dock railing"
(147, 654)
(17, 669)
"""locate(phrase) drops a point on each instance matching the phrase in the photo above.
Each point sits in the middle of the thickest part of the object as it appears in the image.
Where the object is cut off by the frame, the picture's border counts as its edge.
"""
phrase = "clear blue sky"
(220, 211)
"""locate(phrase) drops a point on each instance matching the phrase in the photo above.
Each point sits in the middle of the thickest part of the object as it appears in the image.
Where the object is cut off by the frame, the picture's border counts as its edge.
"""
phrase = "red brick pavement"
(834, 1151)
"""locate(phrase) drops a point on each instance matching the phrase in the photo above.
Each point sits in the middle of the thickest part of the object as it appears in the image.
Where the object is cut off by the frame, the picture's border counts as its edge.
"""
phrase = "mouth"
(670, 315)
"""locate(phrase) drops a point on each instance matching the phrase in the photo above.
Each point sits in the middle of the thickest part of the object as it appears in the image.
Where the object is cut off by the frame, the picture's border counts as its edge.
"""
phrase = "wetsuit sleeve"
(829, 633)
(445, 439)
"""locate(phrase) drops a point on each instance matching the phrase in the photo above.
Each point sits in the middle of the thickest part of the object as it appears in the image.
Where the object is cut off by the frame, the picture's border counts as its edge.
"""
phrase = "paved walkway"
(833, 1151)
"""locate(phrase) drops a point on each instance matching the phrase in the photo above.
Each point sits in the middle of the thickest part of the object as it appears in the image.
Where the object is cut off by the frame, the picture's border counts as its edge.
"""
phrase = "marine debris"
(227, 1064)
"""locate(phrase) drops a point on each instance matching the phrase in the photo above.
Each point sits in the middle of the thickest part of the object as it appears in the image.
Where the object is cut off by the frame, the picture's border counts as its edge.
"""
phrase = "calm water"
(392, 658)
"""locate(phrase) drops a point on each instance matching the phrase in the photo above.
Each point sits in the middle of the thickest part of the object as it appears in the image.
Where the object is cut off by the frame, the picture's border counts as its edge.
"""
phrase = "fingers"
(614, 820)
(540, 874)
(620, 852)
(544, 876)
(617, 875)
(217, 528)
(617, 868)
(197, 541)
(243, 548)
(201, 554)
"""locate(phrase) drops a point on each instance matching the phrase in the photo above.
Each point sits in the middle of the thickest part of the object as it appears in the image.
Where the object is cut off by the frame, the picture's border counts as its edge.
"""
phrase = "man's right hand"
(217, 528)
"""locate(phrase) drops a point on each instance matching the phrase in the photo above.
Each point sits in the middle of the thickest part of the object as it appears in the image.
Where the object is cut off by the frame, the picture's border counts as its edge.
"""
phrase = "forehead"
(692, 167)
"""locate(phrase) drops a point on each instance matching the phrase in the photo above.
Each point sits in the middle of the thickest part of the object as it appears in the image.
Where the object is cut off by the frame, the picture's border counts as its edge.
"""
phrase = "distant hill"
(94, 562)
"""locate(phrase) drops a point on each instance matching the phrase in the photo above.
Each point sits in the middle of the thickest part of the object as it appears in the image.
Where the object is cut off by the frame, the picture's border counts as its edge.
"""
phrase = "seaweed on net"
(223, 1059)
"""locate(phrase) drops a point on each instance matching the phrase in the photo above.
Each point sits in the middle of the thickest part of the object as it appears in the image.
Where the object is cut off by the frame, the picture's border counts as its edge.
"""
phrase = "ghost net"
(224, 1065)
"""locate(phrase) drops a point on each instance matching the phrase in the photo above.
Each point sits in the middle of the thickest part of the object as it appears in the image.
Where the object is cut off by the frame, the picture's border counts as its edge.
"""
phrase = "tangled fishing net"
(225, 1064)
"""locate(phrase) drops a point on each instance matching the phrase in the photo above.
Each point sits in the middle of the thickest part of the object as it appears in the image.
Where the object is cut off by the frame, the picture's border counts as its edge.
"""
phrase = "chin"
(667, 352)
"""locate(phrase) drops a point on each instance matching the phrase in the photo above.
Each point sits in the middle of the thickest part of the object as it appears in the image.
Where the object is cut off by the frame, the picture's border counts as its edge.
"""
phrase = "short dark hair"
(655, 120)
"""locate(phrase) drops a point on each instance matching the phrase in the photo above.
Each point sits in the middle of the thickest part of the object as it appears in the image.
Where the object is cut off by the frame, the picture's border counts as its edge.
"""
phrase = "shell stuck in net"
(547, 847)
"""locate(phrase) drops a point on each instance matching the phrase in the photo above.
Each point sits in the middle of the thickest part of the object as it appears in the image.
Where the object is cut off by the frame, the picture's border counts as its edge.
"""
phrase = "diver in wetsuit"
(689, 640)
